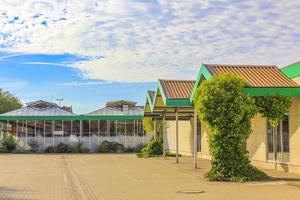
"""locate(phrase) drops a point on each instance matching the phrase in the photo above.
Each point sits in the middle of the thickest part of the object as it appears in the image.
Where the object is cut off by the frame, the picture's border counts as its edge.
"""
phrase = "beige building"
(172, 102)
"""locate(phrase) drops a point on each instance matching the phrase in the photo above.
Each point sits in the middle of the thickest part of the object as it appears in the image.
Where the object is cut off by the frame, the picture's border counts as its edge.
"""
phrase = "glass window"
(278, 141)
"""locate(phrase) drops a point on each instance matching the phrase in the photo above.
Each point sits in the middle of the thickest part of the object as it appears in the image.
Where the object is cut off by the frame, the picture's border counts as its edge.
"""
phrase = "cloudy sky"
(92, 51)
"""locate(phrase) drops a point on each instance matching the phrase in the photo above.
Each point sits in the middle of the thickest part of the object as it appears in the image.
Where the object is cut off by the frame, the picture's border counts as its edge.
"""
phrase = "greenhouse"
(47, 124)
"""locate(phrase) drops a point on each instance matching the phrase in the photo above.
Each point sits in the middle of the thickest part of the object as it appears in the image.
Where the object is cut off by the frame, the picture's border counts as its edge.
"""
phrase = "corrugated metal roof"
(151, 94)
(109, 111)
(177, 89)
(255, 75)
(32, 111)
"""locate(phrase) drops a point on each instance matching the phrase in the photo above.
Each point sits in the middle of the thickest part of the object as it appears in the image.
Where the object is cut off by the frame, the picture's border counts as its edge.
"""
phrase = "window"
(278, 141)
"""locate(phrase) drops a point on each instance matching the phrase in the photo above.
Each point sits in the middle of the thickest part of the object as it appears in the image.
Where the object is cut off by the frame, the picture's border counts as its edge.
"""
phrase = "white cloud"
(12, 85)
(141, 41)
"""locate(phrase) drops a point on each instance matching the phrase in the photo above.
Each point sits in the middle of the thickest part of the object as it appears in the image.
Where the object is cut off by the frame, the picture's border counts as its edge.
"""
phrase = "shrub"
(34, 145)
(137, 149)
(110, 147)
(154, 148)
(227, 111)
(60, 148)
(78, 148)
(8, 143)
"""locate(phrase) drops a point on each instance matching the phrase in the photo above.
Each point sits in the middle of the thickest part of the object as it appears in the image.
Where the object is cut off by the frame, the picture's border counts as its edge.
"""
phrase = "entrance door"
(278, 142)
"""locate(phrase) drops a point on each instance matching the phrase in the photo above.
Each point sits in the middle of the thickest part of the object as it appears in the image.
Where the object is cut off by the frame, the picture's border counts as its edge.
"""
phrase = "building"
(186, 135)
(48, 124)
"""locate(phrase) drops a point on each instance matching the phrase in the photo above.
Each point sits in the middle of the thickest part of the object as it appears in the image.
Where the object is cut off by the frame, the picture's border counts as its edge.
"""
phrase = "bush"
(223, 106)
(8, 143)
(78, 148)
(154, 148)
(110, 147)
(60, 148)
(137, 149)
(34, 145)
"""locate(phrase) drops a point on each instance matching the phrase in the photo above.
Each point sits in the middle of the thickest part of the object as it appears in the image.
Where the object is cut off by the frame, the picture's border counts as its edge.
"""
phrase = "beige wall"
(256, 144)
(185, 137)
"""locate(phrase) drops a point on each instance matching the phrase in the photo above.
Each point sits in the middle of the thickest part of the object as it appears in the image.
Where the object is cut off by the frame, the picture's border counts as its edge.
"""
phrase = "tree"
(149, 126)
(120, 103)
(273, 107)
(8, 102)
(222, 105)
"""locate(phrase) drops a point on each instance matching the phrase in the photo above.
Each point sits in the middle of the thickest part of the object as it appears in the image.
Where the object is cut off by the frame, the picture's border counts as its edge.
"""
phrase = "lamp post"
(59, 100)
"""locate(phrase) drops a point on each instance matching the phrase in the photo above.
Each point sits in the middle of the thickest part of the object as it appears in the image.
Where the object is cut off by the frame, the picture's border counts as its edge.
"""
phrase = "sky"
(92, 51)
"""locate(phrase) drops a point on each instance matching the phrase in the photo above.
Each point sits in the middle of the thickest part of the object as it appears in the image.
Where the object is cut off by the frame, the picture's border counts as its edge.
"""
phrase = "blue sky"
(89, 52)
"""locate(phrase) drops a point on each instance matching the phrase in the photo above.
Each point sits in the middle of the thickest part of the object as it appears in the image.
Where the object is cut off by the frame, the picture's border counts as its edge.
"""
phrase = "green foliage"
(8, 143)
(78, 148)
(222, 105)
(149, 126)
(273, 107)
(60, 148)
(120, 103)
(65, 148)
(34, 145)
(110, 147)
(154, 148)
(169, 154)
(8, 102)
(137, 149)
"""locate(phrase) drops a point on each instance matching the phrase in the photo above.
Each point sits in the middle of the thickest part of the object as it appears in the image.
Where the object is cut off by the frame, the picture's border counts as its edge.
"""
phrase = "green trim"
(292, 70)
(264, 91)
(75, 117)
(178, 102)
(203, 72)
(149, 101)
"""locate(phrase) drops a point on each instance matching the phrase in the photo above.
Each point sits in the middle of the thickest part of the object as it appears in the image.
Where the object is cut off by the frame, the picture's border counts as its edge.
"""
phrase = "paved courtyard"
(118, 177)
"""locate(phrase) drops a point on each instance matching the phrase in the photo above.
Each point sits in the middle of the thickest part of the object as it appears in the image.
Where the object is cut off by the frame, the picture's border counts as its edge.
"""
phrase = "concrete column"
(62, 128)
(116, 130)
(26, 132)
(44, 134)
(35, 130)
(125, 135)
(98, 126)
(164, 135)
(89, 134)
(154, 128)
(177, 157)
(134, 133)
(195, 137)
(80, 129)
(17, 131)
(53, 129)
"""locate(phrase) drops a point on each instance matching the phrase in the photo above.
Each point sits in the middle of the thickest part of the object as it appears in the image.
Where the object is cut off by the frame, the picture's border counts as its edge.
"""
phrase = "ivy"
(222, 105)
(273, 107)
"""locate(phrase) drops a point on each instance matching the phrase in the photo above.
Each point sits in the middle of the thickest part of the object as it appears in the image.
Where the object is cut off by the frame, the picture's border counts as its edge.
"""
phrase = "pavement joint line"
(75, 180)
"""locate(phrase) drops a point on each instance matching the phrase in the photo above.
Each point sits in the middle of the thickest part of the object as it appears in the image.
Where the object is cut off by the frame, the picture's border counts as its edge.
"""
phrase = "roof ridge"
(176, 80)
(242, 65)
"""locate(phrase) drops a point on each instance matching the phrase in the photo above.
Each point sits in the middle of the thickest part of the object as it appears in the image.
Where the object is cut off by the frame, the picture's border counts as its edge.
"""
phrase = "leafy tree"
(8, 143)
(120, 103)
(221, 103)
(273, 107)
(8, 102)
(149, 126)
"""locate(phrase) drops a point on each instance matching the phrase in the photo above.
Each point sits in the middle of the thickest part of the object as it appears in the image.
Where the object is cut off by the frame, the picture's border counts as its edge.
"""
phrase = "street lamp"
(60, 100)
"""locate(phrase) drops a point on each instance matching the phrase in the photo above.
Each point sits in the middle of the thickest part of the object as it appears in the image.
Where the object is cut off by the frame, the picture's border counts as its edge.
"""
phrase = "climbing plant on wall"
(273, 107)
(222, 105)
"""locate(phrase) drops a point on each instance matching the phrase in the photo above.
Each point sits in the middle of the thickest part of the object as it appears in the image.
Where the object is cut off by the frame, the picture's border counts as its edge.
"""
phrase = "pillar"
(177, 159)
(164, 135)
(195, 137)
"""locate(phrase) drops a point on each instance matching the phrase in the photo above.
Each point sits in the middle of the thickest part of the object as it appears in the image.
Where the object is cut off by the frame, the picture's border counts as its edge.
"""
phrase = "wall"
(185, 137)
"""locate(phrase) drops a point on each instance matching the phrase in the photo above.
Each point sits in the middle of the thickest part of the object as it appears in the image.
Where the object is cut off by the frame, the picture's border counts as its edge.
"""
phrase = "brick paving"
(125, 177)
